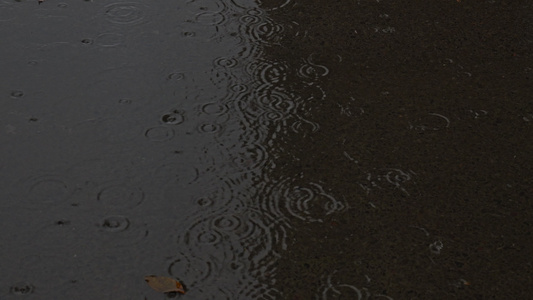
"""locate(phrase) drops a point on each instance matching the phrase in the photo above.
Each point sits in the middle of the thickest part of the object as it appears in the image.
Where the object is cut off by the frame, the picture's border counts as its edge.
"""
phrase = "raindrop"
(212, 237)
(62, 5)
(177, 76)
(188, 34)
(21, 288)
(159, 134)
(119, 231)
(227, 223)
(248, 20)
(209, 128)
(173, 118)
(125, 101)
(205, 201)
(17, 94)
(225, 62)
(238, 88)
(115, 223)
(120, 196)
(87, 41)
(436, 247)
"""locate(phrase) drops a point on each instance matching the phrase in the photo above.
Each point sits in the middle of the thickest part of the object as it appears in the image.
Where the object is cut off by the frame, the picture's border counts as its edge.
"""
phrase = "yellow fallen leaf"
(164, 284)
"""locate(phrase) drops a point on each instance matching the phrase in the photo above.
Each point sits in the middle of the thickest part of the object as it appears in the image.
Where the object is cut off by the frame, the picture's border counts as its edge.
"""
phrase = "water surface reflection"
(259, 150)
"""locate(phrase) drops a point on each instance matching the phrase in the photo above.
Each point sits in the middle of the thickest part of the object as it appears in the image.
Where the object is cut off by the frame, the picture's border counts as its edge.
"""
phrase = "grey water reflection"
(136, 140)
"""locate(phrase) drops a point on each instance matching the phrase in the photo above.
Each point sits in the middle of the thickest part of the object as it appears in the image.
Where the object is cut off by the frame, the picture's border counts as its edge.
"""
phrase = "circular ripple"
(210, 18)
(119, 231)
(227, 222)
(249, 19)
(312, 71)
(266, 32)
(430, 122)
(309, 203)
(46, 190)
(268, 72)
(21, 289)
(209, 128)
(214, 108)
(114, 223)
(176, 76)
(249, 158)
(174, 117)
(193, 269)
(126, 13)
(387, 179)
(176, 173)
(225, 62)
(120, 196)
(275, 99)
(109, 39)
(159, 134)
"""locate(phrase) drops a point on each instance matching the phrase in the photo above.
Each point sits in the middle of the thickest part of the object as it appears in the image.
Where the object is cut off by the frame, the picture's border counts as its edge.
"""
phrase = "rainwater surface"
(277, 149)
